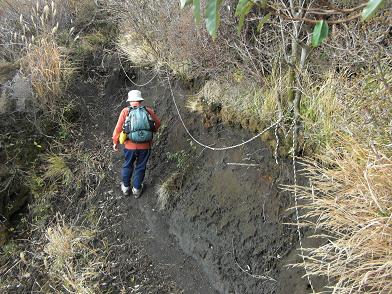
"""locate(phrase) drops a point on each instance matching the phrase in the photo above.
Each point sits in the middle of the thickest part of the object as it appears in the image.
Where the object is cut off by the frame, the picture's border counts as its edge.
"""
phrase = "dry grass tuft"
(349, 199)
(48, 71)
(60, 244)
(242, 95)
(167, 189)
(163, 196)
(29, 30)
(57, 169)
(25, 22)
(323, 113)
(195, 105)
(350, 203)
(73, 170)
(356, 107)
(243, 100)
(72, 264)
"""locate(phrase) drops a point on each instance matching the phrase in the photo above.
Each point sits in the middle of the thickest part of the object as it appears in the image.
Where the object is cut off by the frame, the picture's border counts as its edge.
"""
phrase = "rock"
(4, 233)
(16, 95)
(6, 103)
(22, 92)
(13, 199)
(18, 201)
(7, 71)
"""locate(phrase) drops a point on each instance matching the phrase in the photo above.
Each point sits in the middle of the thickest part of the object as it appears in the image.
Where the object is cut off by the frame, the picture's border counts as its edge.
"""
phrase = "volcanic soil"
(226, 225)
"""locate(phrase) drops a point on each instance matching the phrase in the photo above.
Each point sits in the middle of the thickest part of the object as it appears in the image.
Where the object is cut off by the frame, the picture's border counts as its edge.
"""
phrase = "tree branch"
(309, 20)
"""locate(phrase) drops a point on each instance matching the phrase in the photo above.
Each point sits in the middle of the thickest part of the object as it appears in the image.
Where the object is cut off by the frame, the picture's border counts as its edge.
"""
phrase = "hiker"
(137, 124)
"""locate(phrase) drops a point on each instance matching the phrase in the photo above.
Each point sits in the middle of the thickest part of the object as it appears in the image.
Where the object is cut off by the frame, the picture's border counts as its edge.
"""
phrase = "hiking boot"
(126, 190)
(137, 192)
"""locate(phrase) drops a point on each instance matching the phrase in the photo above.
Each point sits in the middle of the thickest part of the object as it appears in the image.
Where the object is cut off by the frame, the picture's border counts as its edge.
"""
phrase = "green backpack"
(138, 125)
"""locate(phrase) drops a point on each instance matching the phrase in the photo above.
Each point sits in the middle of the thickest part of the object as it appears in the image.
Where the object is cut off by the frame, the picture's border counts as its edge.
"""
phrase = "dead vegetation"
(349, 203)
(243, 101)
(62, 254)
(348, 199)
(159, 34)
(345, 113)
(25, 22)
(71, 262)
(48, 71)
(72, 169)
(167, 190)
(47, 251)
(29, 32)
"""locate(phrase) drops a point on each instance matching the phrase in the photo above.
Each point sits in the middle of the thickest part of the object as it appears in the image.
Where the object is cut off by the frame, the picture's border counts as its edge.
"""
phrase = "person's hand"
(115, 147)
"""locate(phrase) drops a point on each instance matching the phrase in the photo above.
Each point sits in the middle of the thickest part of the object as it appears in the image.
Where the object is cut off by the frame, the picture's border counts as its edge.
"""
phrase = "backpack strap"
(130, 108)
(126, 119)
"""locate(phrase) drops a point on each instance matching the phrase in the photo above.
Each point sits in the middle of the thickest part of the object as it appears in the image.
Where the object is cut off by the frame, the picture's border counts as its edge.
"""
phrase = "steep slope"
(224, 208)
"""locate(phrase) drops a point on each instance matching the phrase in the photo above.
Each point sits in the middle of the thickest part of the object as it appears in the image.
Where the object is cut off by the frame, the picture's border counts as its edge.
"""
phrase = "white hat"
(134, 96)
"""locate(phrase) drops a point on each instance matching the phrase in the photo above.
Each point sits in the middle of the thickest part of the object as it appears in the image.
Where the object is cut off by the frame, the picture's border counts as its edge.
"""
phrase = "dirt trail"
(144, 253)
(223, 231)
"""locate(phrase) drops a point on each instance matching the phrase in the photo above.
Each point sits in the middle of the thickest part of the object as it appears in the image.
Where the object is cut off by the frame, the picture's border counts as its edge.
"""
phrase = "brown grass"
(73, 169)
(47, 69)
(350, 203)
(355, 106)
(251, 104)
(163, 34)
(58, 170)
(29, 31)
(167, 190)
(24, 22)
(72, 265)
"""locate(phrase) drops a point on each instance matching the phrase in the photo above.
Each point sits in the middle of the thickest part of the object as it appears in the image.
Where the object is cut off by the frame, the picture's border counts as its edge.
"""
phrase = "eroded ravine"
(225, 229)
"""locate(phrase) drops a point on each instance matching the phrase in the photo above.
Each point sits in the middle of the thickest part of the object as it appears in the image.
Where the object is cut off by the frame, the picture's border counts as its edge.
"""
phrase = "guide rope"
(135, 84)
(296, 207)
(239, 145)
(243, 143)
(209, 147)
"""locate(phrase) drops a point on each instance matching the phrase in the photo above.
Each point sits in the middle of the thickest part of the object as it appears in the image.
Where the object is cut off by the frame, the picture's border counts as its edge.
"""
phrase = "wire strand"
(135, 84)
(243, 143)
(296, 207)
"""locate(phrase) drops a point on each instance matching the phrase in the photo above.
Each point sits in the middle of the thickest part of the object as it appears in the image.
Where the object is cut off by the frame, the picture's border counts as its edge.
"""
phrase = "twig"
(294, 162)
(244, 164)
(11, 267)
(277, 144)
(312, 21)
(374, 198)
(246, 272)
